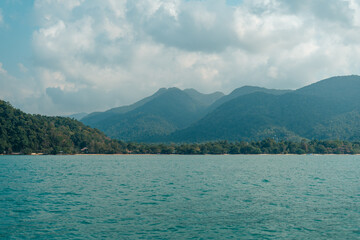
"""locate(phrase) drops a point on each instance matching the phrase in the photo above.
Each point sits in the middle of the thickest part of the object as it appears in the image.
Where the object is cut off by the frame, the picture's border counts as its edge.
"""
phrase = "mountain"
(244, 91)
(340, 88)
(27, 133)
(77, 116)
(328, 109)
(95, 117)
(204, 99)
(158, 115)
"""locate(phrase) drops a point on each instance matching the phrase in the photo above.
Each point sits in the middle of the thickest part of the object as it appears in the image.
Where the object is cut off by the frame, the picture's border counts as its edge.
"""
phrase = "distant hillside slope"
(95, 117)
(204, 99)
(77, 116)
(244, 91)
(158, 115)
(26, 133)
(344, 90)
(328, 109)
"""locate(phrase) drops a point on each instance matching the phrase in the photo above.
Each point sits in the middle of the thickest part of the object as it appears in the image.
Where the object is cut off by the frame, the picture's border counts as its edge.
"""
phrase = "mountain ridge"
(247, 113)
(298, 113)
(159, 114)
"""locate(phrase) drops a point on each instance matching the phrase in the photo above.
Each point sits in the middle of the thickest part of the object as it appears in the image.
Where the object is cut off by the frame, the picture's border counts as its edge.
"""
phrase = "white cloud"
(66, 4)
(22, 68)
(2, 70)
(1, 17)
(355, 7)
(20, 92)
(102, 54)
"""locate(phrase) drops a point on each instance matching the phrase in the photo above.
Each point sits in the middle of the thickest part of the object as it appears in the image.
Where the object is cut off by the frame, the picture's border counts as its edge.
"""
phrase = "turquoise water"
(180, 197)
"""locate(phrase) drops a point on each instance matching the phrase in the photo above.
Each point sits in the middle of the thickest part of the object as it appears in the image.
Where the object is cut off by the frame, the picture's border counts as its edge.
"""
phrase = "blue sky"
(15, 33)
(62, 57)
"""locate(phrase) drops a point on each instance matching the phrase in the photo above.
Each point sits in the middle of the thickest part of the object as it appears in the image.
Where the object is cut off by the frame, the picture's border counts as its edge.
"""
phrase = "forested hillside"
(153, 117)
(27, 133)
(245, 90)
(325, 110)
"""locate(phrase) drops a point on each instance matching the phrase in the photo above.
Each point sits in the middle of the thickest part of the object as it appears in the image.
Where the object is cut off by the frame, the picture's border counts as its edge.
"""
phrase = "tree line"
(266, 146)
(23, 133)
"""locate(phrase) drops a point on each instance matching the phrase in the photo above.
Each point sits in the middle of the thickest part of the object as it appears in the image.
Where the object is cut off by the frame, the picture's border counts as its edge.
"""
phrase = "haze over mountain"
(158, 115)
(328, 109)
(244, 91)
(77, 116)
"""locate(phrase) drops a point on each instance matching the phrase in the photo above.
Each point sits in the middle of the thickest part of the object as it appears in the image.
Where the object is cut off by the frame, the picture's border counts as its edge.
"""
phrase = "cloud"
(1, 17)
(93, 55)
(68, 101)
(19, 92)
(22, 68)
(337, 11)
(190, 26)
(2, 70)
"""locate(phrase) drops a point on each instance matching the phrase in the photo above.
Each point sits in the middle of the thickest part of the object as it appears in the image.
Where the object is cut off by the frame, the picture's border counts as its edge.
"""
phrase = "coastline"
(159, 154)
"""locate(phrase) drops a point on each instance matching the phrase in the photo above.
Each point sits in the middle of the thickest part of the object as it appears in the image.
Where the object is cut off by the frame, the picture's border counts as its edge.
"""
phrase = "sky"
(60, 57)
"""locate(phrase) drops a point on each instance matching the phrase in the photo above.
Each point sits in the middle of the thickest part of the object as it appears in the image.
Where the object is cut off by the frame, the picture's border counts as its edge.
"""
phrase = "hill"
(27, 133)
(153, 117)
(339, 88)
(95, 117)
(328, 109)
(244, 91)
(77, 116)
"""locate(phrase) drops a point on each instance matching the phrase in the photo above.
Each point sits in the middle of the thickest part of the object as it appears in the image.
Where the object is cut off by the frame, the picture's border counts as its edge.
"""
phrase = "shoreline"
(149, 154)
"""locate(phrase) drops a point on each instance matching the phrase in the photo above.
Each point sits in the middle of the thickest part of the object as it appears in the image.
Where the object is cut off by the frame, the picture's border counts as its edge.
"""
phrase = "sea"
(180, 197)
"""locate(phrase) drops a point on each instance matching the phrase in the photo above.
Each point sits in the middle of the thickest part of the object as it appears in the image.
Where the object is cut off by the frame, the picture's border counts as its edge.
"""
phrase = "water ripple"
(180, 197)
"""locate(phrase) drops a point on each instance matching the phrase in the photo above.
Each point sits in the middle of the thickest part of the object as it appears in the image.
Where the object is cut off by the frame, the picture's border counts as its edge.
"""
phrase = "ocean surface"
(180, 197)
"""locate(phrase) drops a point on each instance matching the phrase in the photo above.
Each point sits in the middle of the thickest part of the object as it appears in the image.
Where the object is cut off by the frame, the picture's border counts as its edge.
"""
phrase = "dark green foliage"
(255, 121)
(27, 133)
(266, 146)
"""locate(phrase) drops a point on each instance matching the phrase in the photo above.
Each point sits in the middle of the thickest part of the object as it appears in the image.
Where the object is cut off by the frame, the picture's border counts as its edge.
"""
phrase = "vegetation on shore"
(22, 133)
(27, 133)
(267, 146)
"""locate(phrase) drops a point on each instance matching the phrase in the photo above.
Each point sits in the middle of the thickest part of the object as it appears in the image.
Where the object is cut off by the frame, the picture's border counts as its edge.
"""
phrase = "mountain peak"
(339, 87)
(326, 109)
(244, 91)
